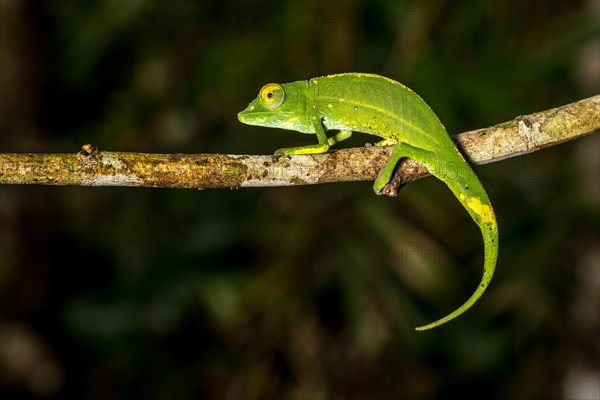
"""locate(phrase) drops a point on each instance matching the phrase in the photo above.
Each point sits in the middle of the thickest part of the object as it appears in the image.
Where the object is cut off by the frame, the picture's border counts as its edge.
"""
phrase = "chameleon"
(379, 106)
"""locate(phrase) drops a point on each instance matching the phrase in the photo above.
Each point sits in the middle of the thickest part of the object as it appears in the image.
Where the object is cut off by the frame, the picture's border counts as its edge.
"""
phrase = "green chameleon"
(382, 107)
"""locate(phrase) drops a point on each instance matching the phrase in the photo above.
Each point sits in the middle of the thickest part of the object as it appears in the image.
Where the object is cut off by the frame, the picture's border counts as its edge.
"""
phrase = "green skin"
(382, 107)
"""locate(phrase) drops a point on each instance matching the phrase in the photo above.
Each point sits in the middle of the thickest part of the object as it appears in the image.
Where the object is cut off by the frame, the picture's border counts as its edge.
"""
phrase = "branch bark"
(91, 167)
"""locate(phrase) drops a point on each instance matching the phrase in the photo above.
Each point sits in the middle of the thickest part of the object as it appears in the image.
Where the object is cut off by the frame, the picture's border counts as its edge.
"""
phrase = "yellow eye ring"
(272, 95)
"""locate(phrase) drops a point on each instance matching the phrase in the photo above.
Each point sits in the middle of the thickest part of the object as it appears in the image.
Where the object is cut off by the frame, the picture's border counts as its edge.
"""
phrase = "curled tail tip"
(432, 325)
(456, 313)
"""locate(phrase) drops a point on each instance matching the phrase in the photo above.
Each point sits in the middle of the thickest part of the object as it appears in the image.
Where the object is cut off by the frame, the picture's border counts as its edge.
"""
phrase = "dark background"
(304, 292)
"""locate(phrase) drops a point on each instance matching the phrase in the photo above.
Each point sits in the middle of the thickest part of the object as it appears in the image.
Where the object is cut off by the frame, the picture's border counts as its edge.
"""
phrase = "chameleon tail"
(465, 185)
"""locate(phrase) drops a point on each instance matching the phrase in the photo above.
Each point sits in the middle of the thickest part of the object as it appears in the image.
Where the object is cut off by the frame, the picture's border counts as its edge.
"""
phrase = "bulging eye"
(272, 95)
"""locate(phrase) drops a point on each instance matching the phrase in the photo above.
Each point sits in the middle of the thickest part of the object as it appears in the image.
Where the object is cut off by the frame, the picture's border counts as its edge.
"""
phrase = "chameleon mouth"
(242, 115)
(252, 116)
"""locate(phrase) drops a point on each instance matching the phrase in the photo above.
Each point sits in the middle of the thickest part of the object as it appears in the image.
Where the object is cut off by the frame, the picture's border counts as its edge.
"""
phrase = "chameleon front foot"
(315, 149)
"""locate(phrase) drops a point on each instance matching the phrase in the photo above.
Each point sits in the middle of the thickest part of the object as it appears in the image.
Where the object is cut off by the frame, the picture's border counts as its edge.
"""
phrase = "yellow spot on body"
(485, 211)
(330, 105)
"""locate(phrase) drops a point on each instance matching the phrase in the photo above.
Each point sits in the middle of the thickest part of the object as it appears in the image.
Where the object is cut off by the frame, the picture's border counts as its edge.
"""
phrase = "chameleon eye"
(272, 95)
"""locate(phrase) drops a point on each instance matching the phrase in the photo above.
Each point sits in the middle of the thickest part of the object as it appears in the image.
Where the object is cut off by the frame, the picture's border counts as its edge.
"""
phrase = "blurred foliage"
(295, 293)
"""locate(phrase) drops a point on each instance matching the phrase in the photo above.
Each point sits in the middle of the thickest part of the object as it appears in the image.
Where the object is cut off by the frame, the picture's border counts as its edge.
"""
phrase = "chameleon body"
(382, 107)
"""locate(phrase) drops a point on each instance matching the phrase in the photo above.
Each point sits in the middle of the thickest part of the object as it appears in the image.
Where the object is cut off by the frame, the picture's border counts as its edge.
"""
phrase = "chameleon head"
(278, 106)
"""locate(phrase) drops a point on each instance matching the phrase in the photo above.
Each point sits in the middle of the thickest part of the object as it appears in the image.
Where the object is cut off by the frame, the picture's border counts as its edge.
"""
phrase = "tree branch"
(91, 167)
